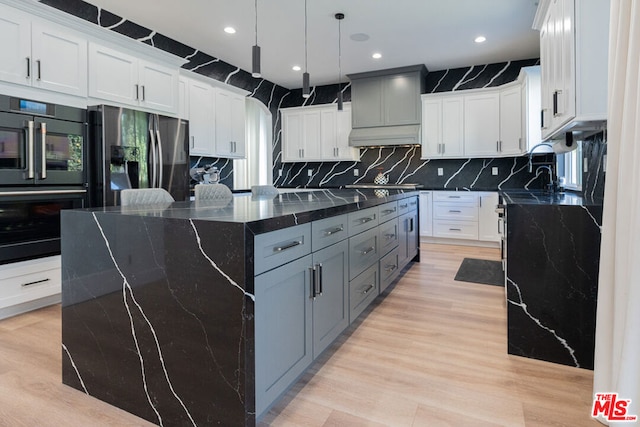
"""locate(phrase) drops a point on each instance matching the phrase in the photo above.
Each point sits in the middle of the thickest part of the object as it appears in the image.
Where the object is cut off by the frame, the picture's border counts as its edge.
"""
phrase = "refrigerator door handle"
(152, 151)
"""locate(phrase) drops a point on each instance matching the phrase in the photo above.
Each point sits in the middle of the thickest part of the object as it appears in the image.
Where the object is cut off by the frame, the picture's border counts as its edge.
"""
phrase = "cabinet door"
(546, 73)
(431, 127)
(408, 238)
(283, 329)
(396, 91)
(328, 133)
(311, 131)
(238, 127)
(488, 218)
(291, 136)
(331, 305)
(59, 59)
(511, 126)
(224, 142)
(158, 86)
(482, 124)
(113, 75)
(426, 213)
(15, 48)
(368, 111)
(343, 123)
(183, 98)
(453, 143)
(201, 119)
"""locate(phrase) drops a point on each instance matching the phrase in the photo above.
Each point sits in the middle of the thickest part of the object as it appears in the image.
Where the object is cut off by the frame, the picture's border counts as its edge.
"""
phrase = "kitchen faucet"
(551, 185)
(532, 150)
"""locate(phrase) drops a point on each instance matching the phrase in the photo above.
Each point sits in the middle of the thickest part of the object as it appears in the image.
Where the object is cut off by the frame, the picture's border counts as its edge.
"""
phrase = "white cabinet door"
(487, 217)
(328, 133)
(183, 98)
(511, 126)
(201, 119)
(311, 135)
(238, 125)
(453, 126)
(230, 125)
(431, 127)
(60, 59)
(291, 136)
(426, 213)
(15, 47)
(482, 124)
(158, 86)
(343, 123)
(113, 75)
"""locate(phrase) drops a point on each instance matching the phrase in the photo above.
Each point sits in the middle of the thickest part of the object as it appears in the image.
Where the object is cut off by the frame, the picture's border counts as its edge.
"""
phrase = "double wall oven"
(43, 161)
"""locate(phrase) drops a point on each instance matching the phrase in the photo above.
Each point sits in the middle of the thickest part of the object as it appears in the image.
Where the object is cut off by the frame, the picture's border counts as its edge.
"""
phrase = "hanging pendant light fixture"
(255, 51)
(340, 17)
(306, 93)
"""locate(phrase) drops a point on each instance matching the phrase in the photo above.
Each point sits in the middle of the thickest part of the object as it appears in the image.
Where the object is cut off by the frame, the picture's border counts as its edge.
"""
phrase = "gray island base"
(205, 314)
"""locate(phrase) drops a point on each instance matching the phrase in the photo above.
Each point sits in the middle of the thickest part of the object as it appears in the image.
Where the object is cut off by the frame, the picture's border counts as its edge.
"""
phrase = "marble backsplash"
(401, 163)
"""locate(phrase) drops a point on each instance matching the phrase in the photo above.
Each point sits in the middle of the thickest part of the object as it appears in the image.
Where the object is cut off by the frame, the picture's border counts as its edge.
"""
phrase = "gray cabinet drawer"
(328, 231)
(363, 251)
(387, 211)
(362, 290)
(389, 269)
(408, 204)
(388, 235)
(413, 203)
(362, 220)
(281, 246)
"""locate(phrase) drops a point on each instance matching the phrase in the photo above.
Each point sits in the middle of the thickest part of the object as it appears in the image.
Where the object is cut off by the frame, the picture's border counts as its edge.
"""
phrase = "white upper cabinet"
(511, 124)
(124, 78)
(573, 56)
(230, 124)
(41, 54)
(201, 102)
(317, 133)
(442, 126)
(482, 124)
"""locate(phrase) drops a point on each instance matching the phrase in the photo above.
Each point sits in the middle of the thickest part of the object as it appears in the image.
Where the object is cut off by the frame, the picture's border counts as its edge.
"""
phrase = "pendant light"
(339, 17)
(255, 51)
(306, 93)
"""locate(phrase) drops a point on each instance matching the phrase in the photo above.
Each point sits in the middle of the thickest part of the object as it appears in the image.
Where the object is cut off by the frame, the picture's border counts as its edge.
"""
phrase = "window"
(256, 169)
(570, 168)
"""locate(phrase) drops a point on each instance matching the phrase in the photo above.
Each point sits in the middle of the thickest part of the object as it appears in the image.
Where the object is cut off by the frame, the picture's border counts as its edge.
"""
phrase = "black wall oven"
(43, 162)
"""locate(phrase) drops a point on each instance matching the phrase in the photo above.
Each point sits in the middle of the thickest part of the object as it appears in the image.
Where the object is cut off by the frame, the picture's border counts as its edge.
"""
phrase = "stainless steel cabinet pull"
(498, 146)
(480, 199)
(24, 285)
(312, 275)
(289, 246)
(367, 219)
(454, 197)
(39, 69)
(368, 289)
(453, 211)
(193, 142)
(404, 206)
(455, 229)
(410, 224)
(337, 151)
(137, 89)
(30, 148)
(443, 147)
(320, 285)
(389, 211)
(43, 167)
(389, 236)
(413, 203)
(542, 124)
(368, 250)
(28, 67)
(390, 267)
(142, 93)
(520, 144)
(334, 231)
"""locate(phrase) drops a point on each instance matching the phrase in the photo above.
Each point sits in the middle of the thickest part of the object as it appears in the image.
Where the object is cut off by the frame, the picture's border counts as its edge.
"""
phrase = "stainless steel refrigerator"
(136, 149)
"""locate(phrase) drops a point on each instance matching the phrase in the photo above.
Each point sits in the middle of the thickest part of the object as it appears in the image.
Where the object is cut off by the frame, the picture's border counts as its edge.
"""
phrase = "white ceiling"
(437, 33)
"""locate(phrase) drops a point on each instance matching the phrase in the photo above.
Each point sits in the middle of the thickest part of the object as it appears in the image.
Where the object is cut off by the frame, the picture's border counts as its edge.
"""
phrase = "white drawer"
(452, 211)
(456, 197)
(28, 281)
(455, 229)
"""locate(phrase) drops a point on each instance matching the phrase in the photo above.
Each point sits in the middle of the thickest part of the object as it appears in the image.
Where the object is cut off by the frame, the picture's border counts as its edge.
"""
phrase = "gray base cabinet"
(407, 238)
(283, 329)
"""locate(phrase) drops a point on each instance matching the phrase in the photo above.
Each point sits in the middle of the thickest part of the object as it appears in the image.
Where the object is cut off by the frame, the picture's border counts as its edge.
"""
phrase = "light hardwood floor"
(431, 353)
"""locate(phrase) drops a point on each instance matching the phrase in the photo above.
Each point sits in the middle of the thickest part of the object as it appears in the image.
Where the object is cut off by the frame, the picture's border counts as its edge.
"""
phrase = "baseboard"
(14, 310)
(461, 242)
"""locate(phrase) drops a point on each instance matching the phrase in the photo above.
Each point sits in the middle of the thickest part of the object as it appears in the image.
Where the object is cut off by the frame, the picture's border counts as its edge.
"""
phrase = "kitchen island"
(205, 313)
(552, 264)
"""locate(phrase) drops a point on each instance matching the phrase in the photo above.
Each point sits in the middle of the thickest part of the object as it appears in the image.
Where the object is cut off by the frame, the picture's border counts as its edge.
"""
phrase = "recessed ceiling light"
(376, 55)
(296, 68)
(480, 39)
(229, 30)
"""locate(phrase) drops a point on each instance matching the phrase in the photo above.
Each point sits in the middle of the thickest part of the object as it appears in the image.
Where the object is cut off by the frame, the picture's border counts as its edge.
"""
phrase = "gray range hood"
(385, 135)
(386, 108)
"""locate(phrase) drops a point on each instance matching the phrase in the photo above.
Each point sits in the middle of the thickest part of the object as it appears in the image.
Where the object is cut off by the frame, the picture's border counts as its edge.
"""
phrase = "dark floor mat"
(481, 271)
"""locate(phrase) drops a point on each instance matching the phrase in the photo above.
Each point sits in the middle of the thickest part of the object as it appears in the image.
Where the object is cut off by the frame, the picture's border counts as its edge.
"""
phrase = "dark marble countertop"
(263, 214)
(566, 198)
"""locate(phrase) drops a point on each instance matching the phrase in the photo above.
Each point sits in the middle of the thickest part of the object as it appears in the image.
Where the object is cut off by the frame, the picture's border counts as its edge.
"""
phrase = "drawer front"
(408, 204)
(387, 211)
(388, 236)
(328, 231)
(362, 220)
(281, 246)
(389, 269)
(18, 289)
(362, 290)
(456, 197)
(363, 252)
(451, 211)
(455, 229)
(413, 203)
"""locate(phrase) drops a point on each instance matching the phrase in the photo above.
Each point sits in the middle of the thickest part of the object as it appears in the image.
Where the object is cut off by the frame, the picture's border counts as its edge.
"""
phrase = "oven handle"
(43, 133)
(38, 192)
(30, 149)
